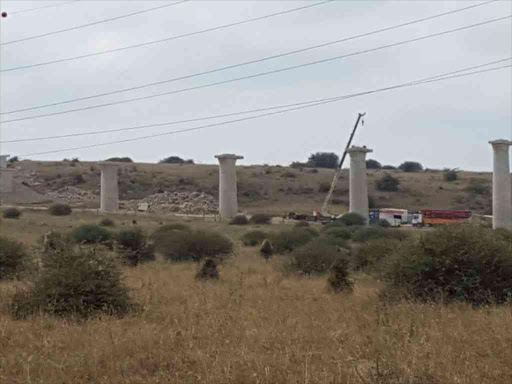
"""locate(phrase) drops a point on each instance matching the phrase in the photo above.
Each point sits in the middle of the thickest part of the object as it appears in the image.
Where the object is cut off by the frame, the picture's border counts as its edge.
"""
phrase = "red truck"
(430, 217)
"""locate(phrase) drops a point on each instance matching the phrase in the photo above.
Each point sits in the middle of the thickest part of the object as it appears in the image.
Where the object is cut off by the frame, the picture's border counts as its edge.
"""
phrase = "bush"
(260, 218)
(239, 220)
(194, 246)
(389, 167)
(314, 258)
(175, 160)
(266, 249)
(371, 253)
(364, 234)
(91, 234)
(134, 247)
(288, 240)
(353, 218)
(208, 271)
(298, 164)
(411, 166)
(60, 210)
(253, 238)
(383, 223)
(107, 222)
(120, 159)
(479, 187)
(373, 164)
(77, 179)
(75, 282)
(301, 224)
(13, 159)
(288, 174)
(388, 183)
(11, 213)
(339, 233)
(455, 263)
(338, 280)
(13, 258)
(323, 160)
(450, 175)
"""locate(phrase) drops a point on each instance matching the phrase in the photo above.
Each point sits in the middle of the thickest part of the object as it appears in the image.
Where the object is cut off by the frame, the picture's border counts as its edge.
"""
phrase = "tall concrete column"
(358, 183)
(3, 161)
(228, 202)
(6, 180)
(501, 188)
(109, 189)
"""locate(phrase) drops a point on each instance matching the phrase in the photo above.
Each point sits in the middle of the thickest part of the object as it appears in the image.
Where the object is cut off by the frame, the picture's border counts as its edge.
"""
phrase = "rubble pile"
(71, 194)
(195, 203)
(27, 177)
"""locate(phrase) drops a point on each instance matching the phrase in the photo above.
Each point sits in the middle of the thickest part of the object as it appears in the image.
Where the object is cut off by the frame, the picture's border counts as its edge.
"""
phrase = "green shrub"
(342, 233)
(314, 257)
(450, 175)
(239, 220)
(363, 234)
(479, 187)
(411, 166)
(454, 263)
(173, 227)
(373, 164)
(193, 246)
(120, 159)
(288, 240)
(372, 252)
(13, 258)
(260, 218)
(323, 160)
(107, 222)
(253, 238)
(11, 213)
(75, 283)
(53, 241)
(91, 234)
(324, 187)
(389, 167)
(134, 248)
(338, 280)
(388, 183)
(301, 224)
(60, 209)
(352, 218)
(383, 223)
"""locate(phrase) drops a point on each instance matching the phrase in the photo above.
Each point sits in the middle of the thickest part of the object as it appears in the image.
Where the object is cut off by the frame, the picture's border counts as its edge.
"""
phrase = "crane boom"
(338, 170)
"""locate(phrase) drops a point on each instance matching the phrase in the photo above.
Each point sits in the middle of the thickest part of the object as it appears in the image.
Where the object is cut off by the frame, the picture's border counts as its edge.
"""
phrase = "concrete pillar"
(109, 189)
(228, 202)
(3, 161)
(358, 183)
(501, 188)
(6, 180)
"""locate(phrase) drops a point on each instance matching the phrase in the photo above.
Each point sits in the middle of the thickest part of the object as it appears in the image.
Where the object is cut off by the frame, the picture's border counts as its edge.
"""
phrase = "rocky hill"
(190, 188)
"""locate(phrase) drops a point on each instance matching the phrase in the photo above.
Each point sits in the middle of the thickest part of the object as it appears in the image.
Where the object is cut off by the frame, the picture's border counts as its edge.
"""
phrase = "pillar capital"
(228, 156)
(107, 165)
(354, 149)
(500, 141)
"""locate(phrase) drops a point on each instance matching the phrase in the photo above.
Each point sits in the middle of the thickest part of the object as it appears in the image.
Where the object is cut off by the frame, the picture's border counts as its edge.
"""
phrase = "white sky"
(444, 124)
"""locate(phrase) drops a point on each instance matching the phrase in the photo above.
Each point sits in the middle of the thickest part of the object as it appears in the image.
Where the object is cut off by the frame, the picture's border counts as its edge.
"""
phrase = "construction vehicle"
(431, 217)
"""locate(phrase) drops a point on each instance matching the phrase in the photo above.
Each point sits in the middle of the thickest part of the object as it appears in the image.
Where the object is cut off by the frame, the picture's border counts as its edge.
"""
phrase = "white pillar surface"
(501, 187)
(358, 194)
(228, 201)
(6, 180)
(109, 189)
(3, 161)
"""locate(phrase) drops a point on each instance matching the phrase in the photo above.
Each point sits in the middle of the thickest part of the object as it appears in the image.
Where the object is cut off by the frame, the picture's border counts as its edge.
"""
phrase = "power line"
(250, 111)
(257, 74)
(248, 62)
(253, 117)
(43, 7)
(167, 38)
(91, 24)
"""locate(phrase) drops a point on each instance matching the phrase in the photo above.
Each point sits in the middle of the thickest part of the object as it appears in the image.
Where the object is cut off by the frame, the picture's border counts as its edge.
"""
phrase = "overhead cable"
(43, 7)
(258, 74)
(107, 131)
(167, 38)
(247, 62)
(91, 24)
(257, 116)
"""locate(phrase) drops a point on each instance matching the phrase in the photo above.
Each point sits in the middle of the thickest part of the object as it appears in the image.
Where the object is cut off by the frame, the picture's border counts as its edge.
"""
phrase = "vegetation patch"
(388, 183)
(134, 247)
(91, 234)
(11, 213)
(239, 220)
(107, 222)
(60, 210)
(13, 258)
(411, 166)
(338, 280)
(288, 240)
(260, 218)
(455, 263)
(193, 245)
(352, 218)
(315, 257)
(75, 282)
(253, 238)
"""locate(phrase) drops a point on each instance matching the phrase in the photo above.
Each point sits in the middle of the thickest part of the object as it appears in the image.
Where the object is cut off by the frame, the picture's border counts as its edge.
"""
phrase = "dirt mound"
(196, 203)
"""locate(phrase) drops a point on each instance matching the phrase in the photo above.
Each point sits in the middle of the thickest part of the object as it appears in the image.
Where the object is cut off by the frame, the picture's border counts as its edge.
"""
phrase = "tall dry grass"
(256, 326)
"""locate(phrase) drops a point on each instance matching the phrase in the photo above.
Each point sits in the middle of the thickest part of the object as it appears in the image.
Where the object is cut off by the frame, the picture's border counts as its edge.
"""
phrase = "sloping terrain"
(272, 189)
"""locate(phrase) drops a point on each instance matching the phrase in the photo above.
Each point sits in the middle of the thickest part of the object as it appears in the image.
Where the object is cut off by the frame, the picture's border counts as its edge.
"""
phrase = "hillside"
(272, 189)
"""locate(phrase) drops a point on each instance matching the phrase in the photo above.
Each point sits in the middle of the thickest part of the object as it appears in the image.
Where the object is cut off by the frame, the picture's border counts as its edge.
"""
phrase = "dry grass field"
(254, 325)
(272, 189)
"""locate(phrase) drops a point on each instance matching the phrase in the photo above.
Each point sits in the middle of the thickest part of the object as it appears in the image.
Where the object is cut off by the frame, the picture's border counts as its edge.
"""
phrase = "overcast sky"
(443, 124)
